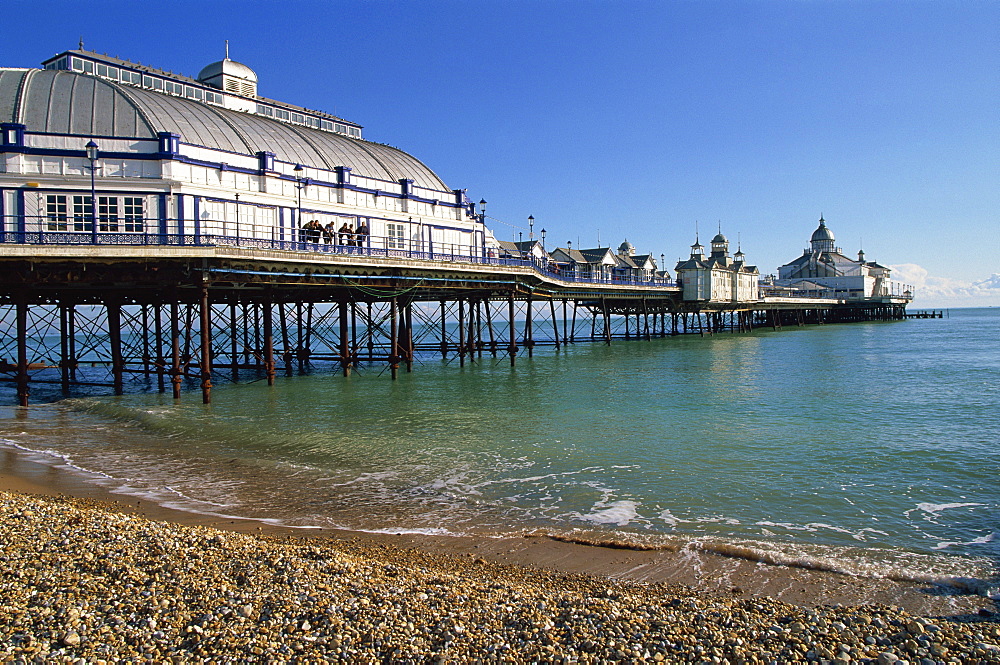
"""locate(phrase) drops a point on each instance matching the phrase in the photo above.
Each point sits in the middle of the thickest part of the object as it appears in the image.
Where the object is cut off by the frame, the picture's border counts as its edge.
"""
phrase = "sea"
(864, 448)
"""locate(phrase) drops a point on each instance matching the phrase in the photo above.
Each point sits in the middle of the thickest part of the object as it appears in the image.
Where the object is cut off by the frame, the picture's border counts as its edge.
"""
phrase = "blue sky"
(638, 119)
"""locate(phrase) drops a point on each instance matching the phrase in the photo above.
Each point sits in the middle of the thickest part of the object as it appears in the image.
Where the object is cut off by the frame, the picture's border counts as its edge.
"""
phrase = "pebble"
(82, 584)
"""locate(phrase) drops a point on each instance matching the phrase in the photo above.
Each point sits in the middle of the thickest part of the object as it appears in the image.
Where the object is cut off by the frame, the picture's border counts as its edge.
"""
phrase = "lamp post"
(663, 266)
(543, 240)
(482, 219)
(92, 156)
(531, 227)
(300, 182)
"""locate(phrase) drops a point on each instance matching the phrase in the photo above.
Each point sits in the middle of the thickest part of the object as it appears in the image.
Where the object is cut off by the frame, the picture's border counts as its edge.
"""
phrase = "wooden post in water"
(161, 360)
(64, 346)
(512, 343)
(345, 349)
(529, 340)
(572, 330)
(489, 328)
(234, 347)
(286, 346)
(175, 347)
(408, 337)
(461, 332)
(555, 323)
(444, 330)
(21, 313)
(206, 346)
(113, 309)
(269, 339)
(393, 339)
(146, 357)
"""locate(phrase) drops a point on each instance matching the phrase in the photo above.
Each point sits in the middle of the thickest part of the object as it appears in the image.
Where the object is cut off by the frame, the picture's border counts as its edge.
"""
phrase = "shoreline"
(705, 573)
(81, 583)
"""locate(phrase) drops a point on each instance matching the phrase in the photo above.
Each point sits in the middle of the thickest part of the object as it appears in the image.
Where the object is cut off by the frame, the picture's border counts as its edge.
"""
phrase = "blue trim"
(197, 220)
(13, 133)
(180, 216)
(3, 213)
(59, 152)
(281, 223)
(22, 222)
(163, 215)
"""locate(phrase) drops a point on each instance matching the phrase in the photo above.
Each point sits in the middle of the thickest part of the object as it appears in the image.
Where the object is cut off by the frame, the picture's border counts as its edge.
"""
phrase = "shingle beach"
(84, 583)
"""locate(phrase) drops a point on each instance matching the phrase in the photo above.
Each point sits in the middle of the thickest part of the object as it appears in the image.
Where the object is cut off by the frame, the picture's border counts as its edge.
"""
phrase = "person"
(329, 233)
(361, 235)
(306, 233)
(344, 234)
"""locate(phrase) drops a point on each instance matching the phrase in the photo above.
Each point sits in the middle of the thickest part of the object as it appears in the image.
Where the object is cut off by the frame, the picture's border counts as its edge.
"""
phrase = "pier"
(178, 312)
(163, 232)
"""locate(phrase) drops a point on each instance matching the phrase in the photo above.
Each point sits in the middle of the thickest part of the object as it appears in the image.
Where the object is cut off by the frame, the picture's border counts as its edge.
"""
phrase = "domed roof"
(719, 238)
(822, 233)
(626, 248)
(229, 68)
(63, 102)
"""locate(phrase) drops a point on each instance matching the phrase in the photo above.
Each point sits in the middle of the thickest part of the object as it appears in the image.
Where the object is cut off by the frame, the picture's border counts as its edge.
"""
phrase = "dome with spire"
(822, 238)
(626, 248)
(822, 232)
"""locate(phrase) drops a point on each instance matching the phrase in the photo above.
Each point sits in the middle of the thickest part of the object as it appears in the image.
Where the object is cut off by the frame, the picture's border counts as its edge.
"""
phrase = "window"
(88, 66)
(107, 213)
(113, 72)
(340, 128)
(78, 64)
(297, 117)
(102, 70)
(55, 212)
(265, 110)
(281, 113)
(147, 81)
(354, 131)
(395, 236)
(134, 222)
(83, 213)
(157, 84)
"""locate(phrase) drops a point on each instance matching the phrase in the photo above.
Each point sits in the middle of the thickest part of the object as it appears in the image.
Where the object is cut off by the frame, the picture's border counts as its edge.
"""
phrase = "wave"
(852, 568)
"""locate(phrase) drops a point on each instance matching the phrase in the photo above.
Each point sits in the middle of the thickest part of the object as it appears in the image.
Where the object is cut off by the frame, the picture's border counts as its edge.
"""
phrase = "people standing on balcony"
(361, 236)
(344, 234)
(329, 233)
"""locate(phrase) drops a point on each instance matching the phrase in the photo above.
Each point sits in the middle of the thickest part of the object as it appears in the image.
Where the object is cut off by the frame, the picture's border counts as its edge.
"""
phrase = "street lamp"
(482, 219)
(531, 227)
(663, 266)
(300, 182)
(92, 156)
(543, 240)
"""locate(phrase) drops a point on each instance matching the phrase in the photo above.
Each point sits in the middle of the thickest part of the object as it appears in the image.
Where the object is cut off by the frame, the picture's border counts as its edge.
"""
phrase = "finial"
(227, 49)
(696, 232)
(81, 42)
(821, 220)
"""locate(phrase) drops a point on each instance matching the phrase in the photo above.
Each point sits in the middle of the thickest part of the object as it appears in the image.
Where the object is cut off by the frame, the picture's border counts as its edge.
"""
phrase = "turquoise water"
(869, 448)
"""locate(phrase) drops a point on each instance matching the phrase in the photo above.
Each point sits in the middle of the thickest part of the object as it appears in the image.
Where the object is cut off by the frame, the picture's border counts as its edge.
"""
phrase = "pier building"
(718, 277)
(824, 271)
(206, 158)
(162, 231)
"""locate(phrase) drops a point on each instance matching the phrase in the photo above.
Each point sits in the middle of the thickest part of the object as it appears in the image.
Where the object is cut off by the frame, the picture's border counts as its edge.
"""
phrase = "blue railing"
(366, 245)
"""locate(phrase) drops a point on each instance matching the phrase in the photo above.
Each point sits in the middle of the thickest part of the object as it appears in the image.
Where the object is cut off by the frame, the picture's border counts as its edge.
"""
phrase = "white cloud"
(931, 291)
